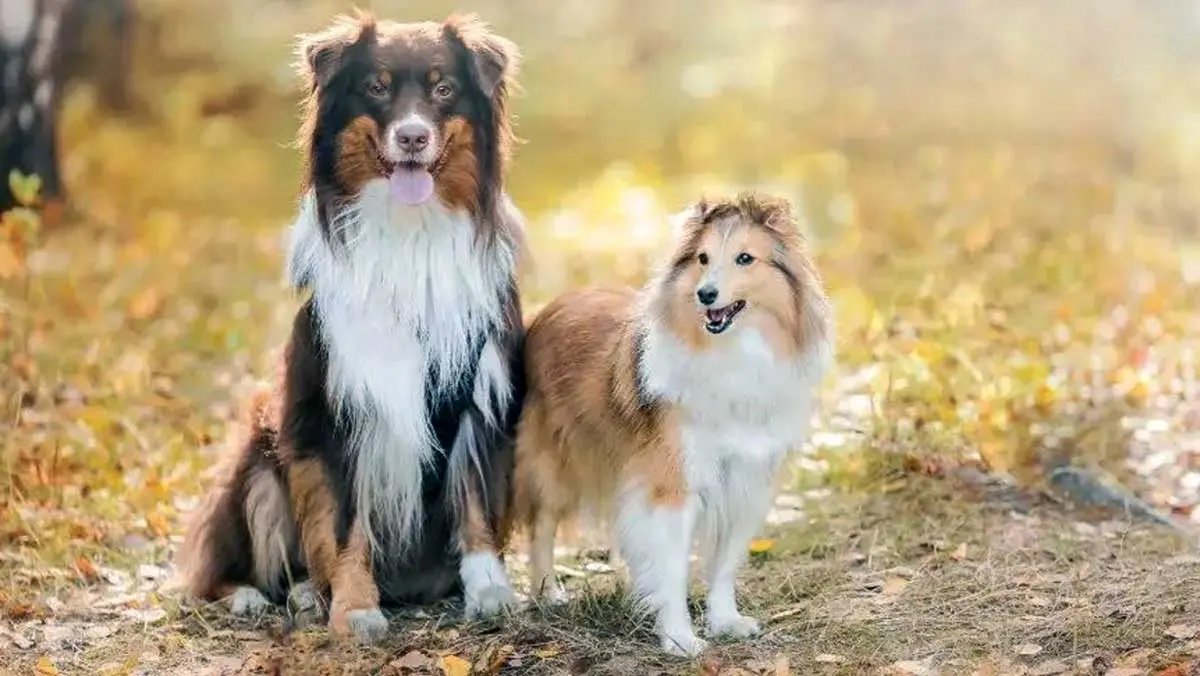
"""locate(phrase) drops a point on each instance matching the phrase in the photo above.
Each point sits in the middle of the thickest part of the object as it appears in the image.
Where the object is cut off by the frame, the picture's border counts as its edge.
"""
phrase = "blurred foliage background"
(1001, 195)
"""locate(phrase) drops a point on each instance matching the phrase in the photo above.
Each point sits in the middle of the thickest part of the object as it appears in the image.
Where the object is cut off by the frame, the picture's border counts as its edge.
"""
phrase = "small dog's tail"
(244, 533)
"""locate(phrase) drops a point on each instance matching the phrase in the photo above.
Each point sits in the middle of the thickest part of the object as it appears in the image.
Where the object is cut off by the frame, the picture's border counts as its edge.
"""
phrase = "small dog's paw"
(683, 644)
(365, 625)
(489, 601)
(247, 601)
(735, 626)
(306, 605)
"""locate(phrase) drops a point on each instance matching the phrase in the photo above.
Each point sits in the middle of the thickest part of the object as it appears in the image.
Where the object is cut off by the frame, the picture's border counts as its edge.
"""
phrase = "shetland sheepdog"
(672, 408)
(380, 468)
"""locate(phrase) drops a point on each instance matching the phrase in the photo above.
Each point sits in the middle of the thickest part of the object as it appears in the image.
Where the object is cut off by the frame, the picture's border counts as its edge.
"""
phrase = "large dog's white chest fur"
(403, 297)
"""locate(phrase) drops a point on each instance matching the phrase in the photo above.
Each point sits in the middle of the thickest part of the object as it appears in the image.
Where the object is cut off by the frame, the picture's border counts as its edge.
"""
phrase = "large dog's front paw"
(365, 625)
(306, 605)
(488, 601)
(735, 626)
(247, 602)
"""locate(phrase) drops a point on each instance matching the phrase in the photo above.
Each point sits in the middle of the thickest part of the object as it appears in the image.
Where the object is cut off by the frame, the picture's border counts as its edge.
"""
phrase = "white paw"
(247, 601)
(367, 626)
(736, 626)
(683, 644)
(489, 601)
(553, 595)
(305, 603)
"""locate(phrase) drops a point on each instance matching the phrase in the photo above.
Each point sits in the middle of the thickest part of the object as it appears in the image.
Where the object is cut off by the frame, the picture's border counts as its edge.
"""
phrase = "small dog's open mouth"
(411, 182)
(716, 320)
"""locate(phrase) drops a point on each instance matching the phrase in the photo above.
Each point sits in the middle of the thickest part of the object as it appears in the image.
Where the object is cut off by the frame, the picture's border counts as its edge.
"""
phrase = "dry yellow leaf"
(45, 667)
(959, 553)
(453, 665)
(10, 262)
(145, 304)
(546, 653)
(894, 585)
(761, 546)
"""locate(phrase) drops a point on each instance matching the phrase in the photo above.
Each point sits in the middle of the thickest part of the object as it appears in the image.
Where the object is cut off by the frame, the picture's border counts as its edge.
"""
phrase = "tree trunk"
(29, 92)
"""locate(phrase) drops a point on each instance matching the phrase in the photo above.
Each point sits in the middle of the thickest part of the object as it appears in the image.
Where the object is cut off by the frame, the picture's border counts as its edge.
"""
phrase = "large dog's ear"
(320, 55)
(494, 59)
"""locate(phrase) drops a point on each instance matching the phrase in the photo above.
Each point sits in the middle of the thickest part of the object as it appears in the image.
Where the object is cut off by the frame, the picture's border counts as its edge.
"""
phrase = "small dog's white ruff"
(400, 296)
(741, 410)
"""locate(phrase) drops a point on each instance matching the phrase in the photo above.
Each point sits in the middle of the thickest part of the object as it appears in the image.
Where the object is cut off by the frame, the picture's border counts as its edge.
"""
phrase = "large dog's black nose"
(412, 137)
(707, 294)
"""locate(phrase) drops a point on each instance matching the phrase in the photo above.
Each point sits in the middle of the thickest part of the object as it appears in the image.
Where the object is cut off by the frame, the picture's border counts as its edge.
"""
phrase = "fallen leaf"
(492, 659)
(894, 585)
(45, 667)
(87, 570)
(10, 262)
(761, 546)
(1050, 668)
(911, 668)
(1182, 632)
(1028, 649)
(959, 553)
(546, 653)
(413, 659)
(145, 304)
(453, 665)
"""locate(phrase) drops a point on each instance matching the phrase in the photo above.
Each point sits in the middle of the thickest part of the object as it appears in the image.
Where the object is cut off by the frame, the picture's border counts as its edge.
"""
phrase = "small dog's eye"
(744, 259)
(443, 90)
(377, 88)
(703, 258)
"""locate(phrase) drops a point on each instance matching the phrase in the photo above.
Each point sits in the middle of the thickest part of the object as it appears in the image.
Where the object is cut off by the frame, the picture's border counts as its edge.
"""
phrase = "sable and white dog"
(381, 466)
(674, 407)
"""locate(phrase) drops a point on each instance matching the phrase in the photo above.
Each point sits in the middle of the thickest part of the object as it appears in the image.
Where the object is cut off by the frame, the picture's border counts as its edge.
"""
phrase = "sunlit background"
(1002, 196)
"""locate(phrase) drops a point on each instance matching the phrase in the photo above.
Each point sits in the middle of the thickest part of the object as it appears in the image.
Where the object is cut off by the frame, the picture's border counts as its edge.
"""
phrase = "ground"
(1003, 475)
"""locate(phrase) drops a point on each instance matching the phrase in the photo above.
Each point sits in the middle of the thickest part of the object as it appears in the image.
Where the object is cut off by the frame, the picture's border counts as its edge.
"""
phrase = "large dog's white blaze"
(401, 299)
(741, 410)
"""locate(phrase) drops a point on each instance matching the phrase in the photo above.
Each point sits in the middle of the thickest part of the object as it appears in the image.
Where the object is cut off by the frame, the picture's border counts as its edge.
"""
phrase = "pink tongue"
(412, 186)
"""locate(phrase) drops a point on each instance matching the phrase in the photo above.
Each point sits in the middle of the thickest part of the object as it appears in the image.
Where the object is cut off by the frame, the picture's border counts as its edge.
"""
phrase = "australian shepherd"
(380, 468)
(674, 407)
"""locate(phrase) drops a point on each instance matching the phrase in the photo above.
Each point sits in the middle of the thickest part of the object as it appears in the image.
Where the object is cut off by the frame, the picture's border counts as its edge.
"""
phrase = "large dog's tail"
(244, 532)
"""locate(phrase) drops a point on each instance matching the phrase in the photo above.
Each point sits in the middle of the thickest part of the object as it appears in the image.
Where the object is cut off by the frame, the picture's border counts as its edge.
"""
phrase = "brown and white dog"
(673, 408)
(381, 467)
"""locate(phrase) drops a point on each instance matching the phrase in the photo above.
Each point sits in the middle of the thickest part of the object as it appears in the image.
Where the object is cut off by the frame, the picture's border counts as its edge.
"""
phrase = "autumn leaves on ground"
(1002, 477)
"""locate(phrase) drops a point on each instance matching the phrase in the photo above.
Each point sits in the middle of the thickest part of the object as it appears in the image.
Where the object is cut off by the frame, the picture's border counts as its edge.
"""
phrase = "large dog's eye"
(743, 259)
(443, 90)
(703, 258)
(377, 87)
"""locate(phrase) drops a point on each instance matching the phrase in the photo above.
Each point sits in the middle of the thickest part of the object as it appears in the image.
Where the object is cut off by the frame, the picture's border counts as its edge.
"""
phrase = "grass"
(862, 583)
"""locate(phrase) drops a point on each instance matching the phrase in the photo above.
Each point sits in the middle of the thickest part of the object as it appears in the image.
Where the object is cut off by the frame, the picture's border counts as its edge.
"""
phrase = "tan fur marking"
(435, 75)
(458, 178)
(352, 585)
(358, 155)
(314, 509)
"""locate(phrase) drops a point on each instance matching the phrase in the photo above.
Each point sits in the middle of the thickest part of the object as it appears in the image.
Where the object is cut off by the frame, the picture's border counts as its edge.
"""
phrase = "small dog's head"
(422, 105)
(742, 262)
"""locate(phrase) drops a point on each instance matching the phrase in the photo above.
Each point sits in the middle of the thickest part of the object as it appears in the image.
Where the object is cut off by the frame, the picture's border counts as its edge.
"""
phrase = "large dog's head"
(422, 105)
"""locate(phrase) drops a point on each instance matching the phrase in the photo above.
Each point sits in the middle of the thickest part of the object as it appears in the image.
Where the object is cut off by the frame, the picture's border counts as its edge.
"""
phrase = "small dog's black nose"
(707, 294)
(412, 137)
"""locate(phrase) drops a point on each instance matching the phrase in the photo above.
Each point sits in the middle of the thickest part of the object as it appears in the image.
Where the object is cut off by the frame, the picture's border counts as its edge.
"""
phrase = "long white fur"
(741, 408)
(399, 303)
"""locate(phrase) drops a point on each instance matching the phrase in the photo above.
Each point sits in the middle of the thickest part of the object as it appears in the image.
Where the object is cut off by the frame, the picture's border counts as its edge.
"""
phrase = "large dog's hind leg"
(343, 569)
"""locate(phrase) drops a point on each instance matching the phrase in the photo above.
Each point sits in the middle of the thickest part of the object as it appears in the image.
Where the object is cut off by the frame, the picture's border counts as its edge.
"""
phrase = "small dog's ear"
(494, 59)
(320, 55)
(680, 219)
